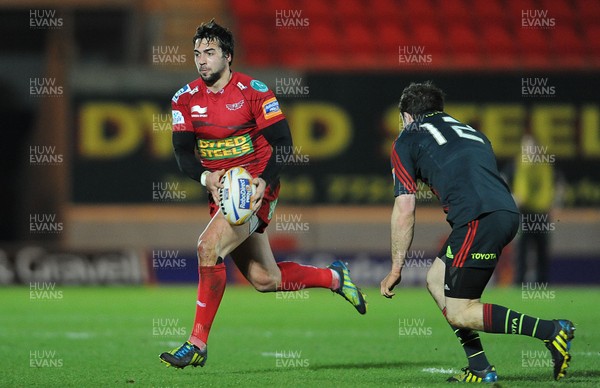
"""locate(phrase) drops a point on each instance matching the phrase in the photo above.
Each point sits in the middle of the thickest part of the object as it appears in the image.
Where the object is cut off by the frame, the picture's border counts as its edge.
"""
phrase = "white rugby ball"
(234, 197)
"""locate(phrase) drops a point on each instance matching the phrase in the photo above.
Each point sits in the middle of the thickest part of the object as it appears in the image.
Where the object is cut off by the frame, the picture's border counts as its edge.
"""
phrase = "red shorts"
(264, 213)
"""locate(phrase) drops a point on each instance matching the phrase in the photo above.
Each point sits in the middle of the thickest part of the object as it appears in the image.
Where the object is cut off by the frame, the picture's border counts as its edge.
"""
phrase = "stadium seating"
(459, 34)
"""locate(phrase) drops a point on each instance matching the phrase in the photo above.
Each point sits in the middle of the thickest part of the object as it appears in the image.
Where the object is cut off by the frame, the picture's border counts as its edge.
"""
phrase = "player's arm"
(403, 222)
(184, 138)
(403, 214)
(402, 228)
(184, 144)
(279, 137)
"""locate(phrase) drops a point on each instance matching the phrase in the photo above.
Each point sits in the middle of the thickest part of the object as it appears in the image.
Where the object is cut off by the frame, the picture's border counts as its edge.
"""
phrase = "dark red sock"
(211, 286)
(296, 276)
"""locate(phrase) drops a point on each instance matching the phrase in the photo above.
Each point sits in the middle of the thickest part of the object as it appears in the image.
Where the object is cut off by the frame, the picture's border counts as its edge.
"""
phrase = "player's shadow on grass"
(372, 365)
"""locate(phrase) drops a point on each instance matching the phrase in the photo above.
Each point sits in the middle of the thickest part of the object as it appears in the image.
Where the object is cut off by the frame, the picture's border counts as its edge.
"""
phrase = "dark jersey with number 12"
(458, 164)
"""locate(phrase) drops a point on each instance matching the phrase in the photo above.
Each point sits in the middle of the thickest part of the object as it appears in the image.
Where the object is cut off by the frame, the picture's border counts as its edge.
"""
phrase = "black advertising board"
(343, 127)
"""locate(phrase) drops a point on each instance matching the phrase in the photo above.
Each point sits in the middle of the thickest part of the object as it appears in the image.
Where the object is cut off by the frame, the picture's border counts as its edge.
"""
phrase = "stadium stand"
(479, 34)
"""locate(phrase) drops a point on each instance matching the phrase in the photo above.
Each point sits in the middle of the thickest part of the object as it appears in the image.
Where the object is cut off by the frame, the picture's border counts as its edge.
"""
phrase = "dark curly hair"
(213, 32)
(420, 98)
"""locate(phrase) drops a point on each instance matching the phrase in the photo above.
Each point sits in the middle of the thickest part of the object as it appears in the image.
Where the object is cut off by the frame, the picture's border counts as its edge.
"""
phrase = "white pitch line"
(78, 335)
(439, 370)
(587, 354)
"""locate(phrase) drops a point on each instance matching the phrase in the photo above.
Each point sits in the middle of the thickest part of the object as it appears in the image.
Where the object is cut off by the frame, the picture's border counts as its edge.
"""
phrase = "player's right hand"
(389, 282)
(213, 183)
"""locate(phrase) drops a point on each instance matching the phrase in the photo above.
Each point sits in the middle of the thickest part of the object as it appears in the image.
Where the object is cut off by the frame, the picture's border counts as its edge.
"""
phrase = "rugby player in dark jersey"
(231, 119)
(458, 164)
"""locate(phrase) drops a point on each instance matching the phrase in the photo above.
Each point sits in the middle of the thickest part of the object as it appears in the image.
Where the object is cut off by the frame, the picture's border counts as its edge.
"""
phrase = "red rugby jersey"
(227, 124)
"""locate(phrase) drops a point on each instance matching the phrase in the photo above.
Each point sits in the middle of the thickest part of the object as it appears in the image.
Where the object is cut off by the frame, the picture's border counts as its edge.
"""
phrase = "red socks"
(211, 287)
(296, 276)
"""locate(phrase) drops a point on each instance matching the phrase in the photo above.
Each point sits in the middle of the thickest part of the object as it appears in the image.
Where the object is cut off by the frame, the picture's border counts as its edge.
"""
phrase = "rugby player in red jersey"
(459, 165)
(231, 120)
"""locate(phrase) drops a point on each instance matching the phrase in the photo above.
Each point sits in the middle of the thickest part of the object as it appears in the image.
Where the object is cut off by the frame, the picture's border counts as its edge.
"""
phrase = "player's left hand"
(256, 199)
(390, 281)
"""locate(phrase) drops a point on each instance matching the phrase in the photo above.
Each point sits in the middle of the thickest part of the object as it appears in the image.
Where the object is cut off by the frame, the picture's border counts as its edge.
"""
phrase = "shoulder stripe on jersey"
(403, 175)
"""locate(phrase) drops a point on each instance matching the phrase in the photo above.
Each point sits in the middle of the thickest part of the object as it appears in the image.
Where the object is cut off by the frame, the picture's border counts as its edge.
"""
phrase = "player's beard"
(211, 77)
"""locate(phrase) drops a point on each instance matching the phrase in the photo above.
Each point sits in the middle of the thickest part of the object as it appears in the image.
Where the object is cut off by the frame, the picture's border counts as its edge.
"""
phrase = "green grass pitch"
(112, 336)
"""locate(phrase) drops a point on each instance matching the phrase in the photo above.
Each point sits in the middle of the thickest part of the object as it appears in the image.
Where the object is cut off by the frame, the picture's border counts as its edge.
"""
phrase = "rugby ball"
(234, 196)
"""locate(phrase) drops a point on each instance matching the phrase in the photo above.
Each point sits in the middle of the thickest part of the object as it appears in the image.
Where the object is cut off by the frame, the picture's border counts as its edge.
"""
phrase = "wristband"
(203, 178)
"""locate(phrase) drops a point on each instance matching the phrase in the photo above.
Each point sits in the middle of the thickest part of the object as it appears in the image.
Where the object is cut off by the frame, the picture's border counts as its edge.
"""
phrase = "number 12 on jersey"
(458, 128)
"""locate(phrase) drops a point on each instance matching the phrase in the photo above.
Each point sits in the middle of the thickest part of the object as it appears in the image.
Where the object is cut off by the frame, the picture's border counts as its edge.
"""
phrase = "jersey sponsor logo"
(184, 89)
(258, 85)
(236, 105)
(483, 256)
(271, 108)
(194, 91)
(231, 147)
(241, 86)
(177, 117)
(199, 111)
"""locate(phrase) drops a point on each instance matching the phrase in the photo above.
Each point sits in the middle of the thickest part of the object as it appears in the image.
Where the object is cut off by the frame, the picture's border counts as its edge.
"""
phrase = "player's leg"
(256, 262)
(217, 240)
(255, 259)
(435, 282)
(470, 272)
(492, 318)
(521, 267)
(469, 339)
